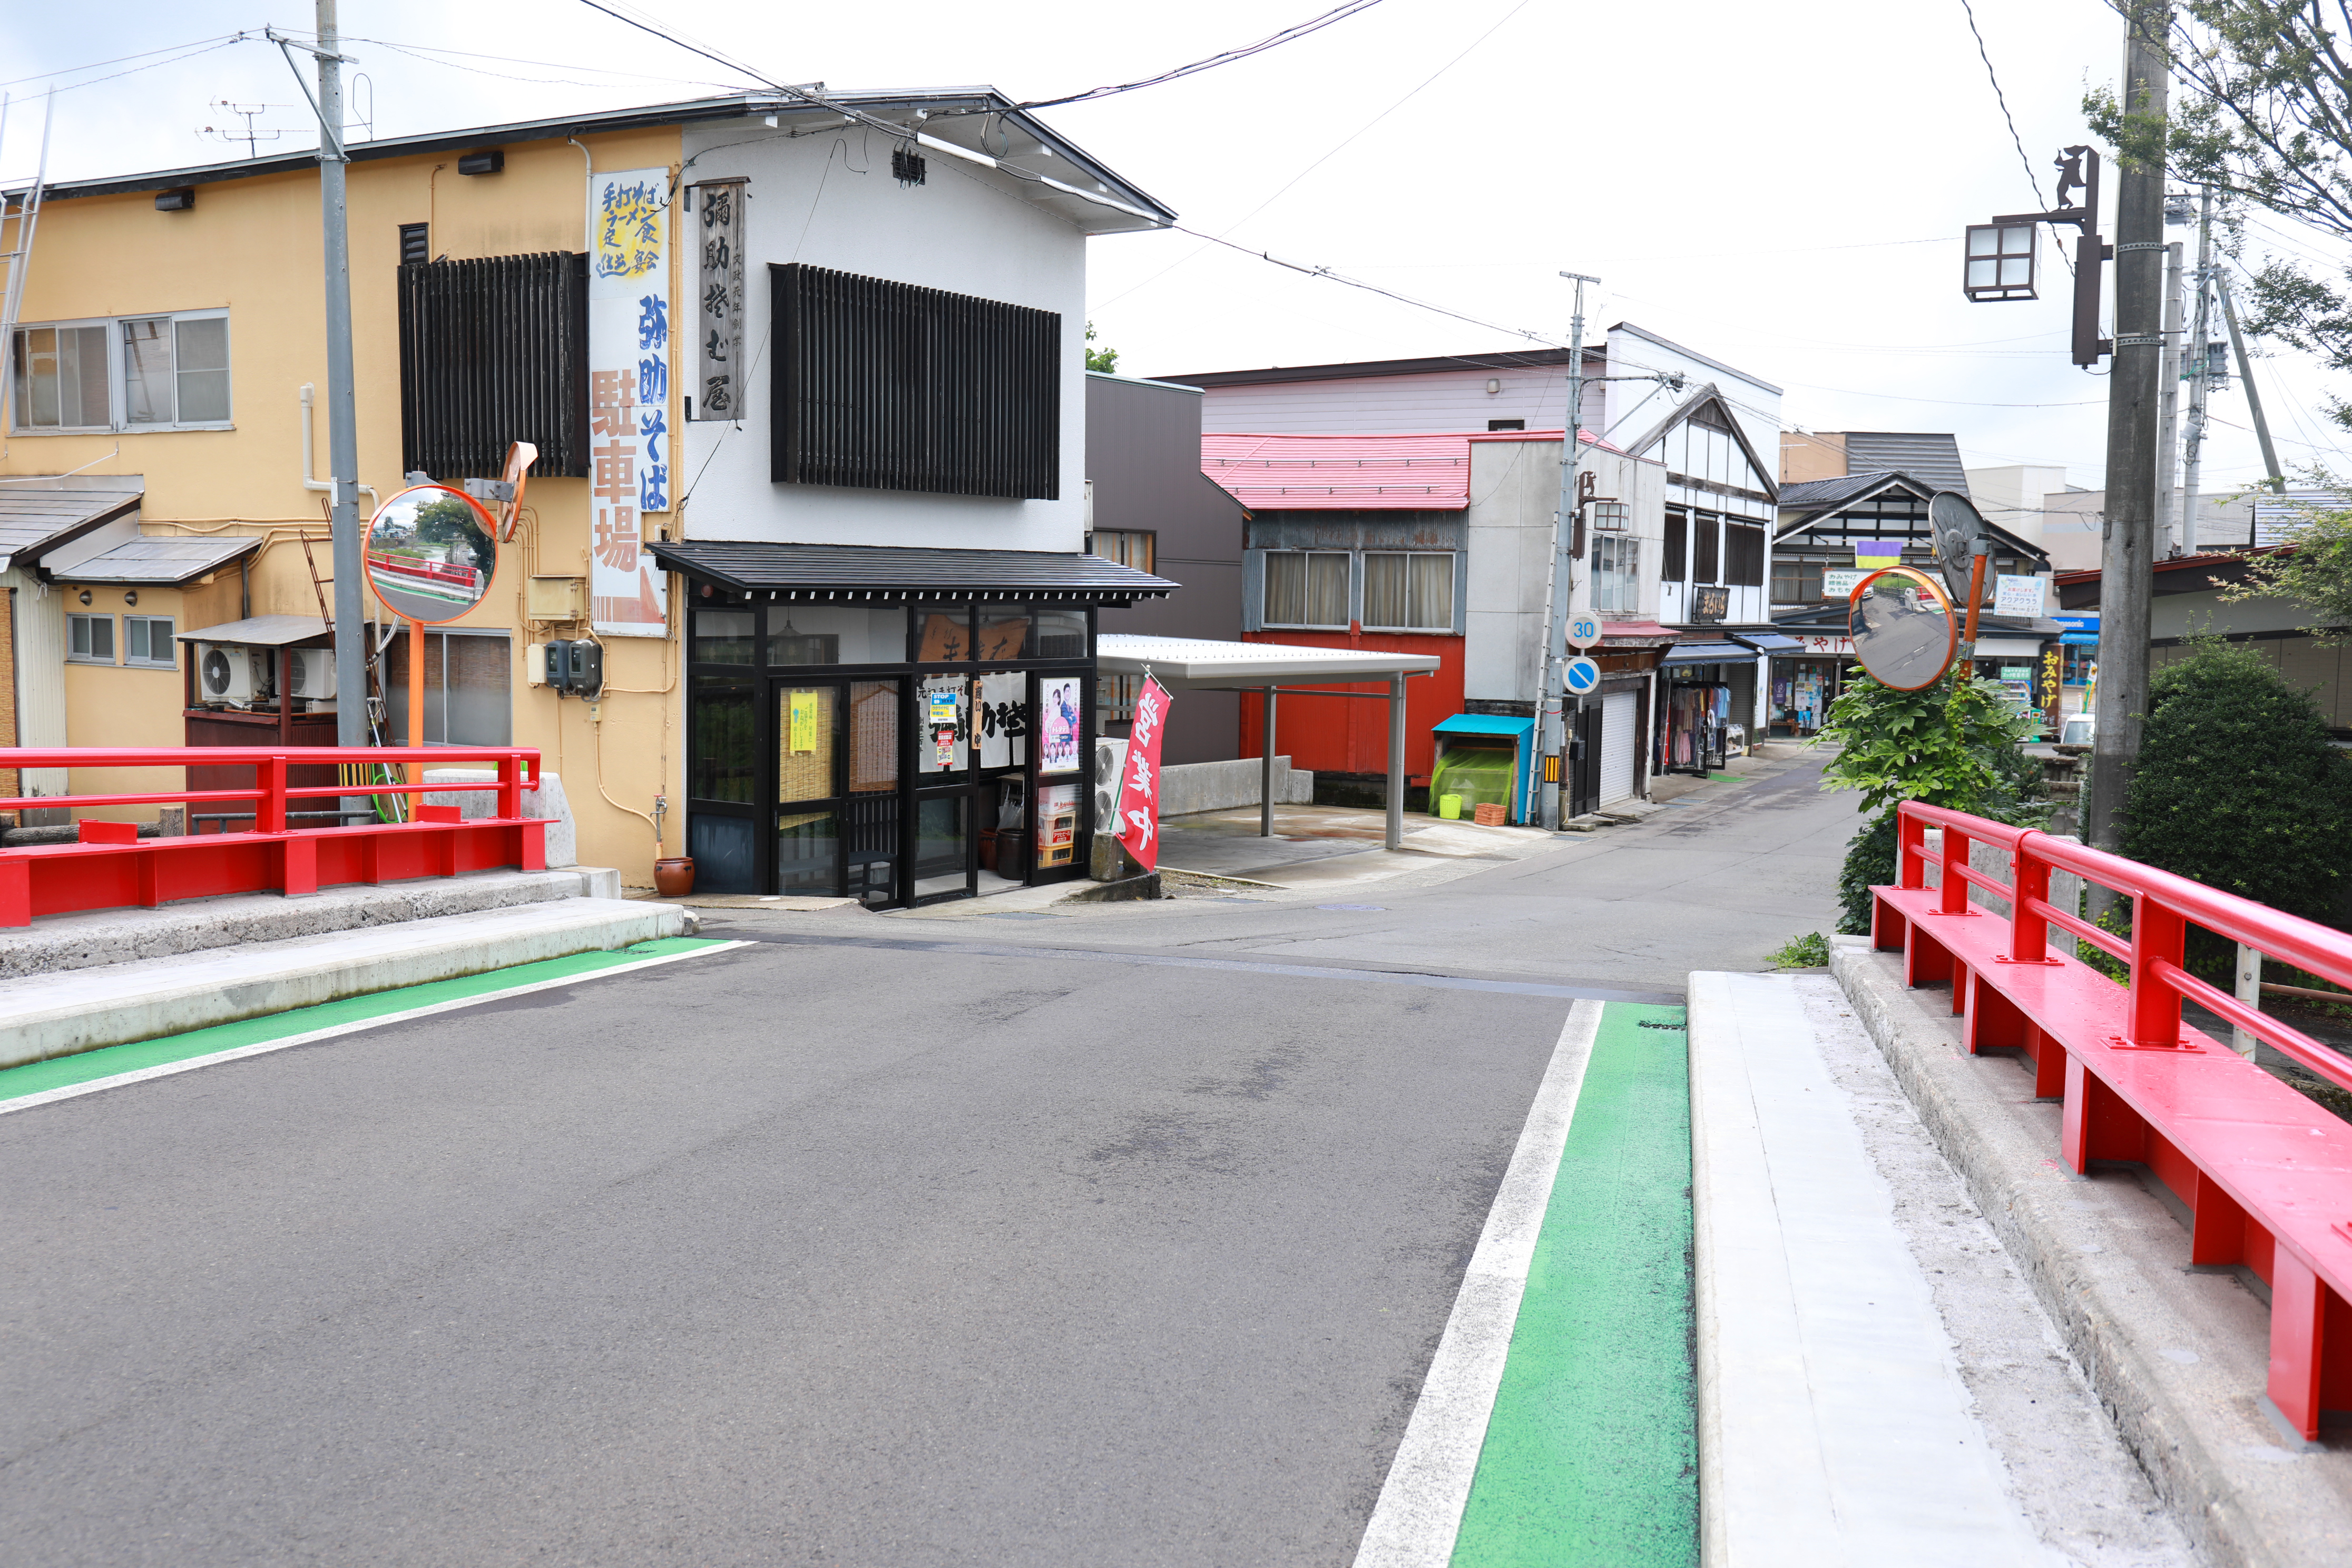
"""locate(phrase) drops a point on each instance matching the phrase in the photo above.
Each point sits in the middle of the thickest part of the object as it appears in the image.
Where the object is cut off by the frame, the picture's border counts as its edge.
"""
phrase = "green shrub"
(1811, 950)
(1954, 743)
(2237, 786)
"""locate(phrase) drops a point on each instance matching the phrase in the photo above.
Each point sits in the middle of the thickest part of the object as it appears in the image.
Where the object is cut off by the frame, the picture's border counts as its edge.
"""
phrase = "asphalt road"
(896, 1243)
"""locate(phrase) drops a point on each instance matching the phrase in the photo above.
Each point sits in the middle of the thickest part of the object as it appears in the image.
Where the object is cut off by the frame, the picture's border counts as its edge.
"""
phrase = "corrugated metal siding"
(1933, 457)
(493, 350)
(1429, 473)
(884, 385)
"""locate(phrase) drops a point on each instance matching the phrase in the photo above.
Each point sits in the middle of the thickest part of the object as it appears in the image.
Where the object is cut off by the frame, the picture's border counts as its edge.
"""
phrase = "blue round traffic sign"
(1579, 675)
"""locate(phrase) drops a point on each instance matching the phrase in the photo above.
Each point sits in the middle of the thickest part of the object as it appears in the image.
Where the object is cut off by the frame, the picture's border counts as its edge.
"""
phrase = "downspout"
(309, 394)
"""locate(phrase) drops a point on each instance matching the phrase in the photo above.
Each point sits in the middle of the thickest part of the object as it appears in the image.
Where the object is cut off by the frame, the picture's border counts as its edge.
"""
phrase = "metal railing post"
(1910, 845)
(510, 786)
(1955, 887)
(270, 811)
(2157, 932)
(2029, 928)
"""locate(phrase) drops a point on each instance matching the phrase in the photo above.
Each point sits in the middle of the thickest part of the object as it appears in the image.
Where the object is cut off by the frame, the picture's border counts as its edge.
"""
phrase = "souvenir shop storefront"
(1805, 683)
(1707, 704)
(897, 726)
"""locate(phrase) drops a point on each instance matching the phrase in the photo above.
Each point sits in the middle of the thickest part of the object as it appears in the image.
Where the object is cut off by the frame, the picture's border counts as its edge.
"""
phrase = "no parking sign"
(1581, 677)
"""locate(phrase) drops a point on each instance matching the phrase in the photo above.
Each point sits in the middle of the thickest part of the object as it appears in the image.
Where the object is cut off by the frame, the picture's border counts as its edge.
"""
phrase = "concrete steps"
(61, 1011)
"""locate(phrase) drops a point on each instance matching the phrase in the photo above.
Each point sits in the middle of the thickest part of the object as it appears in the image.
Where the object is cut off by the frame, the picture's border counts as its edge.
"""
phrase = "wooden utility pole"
(2126, 580)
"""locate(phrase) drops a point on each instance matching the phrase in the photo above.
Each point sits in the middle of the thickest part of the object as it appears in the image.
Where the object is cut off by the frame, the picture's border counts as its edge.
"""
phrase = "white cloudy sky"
(1781, 187)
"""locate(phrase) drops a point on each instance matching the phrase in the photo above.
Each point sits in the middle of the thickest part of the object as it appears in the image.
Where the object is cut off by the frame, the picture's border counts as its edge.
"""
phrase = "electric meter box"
(557, 599)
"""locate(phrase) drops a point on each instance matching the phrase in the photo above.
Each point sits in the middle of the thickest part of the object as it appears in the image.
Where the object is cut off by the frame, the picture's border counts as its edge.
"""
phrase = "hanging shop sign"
(1138, 792)
(2018, 595)
(1839, 583)
(628, 398)
(718, 217)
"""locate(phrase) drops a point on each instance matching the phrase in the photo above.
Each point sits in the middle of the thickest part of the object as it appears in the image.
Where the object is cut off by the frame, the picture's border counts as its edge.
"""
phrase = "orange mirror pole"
(1976, 597)
(416, 708)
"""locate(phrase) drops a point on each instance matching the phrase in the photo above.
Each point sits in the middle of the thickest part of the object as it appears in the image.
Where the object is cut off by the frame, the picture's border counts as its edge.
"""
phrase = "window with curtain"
(1707, 557)
(1129, 547)
(1674, 564)
(1305, 588)
(1408, 591)
(1796, 582)
(1743, 552)
(1616, 573)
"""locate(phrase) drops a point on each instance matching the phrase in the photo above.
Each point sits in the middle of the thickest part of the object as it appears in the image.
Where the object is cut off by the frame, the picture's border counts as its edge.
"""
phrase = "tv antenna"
(250, 134)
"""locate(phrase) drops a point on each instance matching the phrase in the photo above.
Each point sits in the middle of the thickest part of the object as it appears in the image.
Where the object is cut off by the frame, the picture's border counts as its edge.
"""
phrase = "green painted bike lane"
(248, 1036)
(1591, 1456)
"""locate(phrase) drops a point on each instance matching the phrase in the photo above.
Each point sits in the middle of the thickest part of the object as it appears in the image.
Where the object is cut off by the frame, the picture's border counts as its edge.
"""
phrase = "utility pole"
(2201, 383)
(342, 418)
(2168, 435)
(2127, 566)
(1563, 577)
(2277, 480)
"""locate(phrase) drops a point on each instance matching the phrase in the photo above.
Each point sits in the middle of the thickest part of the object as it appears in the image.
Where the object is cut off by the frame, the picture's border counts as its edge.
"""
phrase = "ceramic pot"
(674, 877)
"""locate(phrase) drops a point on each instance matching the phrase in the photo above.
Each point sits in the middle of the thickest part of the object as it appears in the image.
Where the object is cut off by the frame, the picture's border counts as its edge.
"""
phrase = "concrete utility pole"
(2126, 580)
(2201, 383)
(1563, 577)
(2167, 433)
(2277, 480)
(342, 417)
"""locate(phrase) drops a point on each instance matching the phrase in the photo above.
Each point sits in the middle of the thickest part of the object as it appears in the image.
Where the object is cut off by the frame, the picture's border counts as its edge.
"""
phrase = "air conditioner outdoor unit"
(226, 672)
(310, 672)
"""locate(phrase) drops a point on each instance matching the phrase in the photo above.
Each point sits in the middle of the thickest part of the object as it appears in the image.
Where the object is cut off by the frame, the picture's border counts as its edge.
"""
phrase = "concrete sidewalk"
(1877, 1383)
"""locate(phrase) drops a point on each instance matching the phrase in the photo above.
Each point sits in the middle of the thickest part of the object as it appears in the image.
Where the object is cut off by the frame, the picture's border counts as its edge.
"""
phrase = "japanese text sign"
(628, 398)
(1139, 785)
(718, 297)
(2017, 595)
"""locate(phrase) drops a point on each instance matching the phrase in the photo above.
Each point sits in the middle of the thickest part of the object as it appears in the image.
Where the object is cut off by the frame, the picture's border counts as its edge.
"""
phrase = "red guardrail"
(112, 868)
(2265, 1172)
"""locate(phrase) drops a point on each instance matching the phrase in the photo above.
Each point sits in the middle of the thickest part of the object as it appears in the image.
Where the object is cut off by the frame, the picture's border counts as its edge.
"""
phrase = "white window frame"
(1453, 571)
(1622, 573)
(113, 641)
(1265, 588)
(118, 399)
(171, 626)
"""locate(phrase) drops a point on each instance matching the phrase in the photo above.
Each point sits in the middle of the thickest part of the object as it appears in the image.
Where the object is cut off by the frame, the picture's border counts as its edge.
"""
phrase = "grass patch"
(1811, 950)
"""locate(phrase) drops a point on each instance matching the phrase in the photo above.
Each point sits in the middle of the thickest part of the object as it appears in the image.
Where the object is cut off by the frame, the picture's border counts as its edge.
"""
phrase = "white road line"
(164, 1069)
(1419, 1508)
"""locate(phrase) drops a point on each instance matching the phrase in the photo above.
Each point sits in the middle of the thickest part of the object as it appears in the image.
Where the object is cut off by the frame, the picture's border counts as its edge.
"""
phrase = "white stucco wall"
(829, 200)
(1400, 405)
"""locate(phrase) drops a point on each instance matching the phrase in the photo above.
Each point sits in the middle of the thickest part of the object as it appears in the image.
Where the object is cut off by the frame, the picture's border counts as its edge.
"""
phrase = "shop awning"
(882, 572)
(1770, 642)
(1183, 664)
(2008, 647)
(1708, 653)
(32, 522)
(261, 631)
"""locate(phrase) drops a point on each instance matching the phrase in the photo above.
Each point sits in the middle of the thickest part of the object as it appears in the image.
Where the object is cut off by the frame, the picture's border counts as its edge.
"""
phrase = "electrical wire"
(190, 53)
(1369, 288)
(412, 51)
(2001, 98)
(95, 65)
(1318, 163)
(1298, 30)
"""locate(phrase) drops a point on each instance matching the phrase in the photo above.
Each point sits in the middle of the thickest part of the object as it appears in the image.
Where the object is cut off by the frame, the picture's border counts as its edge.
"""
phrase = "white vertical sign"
(628, 398)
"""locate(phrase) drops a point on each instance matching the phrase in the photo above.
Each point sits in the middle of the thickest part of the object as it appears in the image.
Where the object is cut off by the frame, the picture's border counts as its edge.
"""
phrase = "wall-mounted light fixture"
(130, 596)
(489, 163)
(177, 200)
(85, 595)
(1493, 387)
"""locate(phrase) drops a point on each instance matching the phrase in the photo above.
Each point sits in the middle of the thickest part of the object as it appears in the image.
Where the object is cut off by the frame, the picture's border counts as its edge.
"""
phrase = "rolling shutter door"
(1617, 709)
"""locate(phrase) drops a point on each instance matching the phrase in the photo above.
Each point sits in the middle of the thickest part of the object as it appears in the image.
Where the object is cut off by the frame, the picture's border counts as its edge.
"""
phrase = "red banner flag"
(1139, 786)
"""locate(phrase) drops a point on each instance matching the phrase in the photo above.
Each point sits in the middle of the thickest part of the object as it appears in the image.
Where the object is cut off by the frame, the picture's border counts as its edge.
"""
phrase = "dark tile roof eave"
(883, 569)
(730, 106)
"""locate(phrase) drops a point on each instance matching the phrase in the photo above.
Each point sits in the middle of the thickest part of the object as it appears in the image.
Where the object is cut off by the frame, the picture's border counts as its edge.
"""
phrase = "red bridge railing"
(2265, 1172)
(110, 866)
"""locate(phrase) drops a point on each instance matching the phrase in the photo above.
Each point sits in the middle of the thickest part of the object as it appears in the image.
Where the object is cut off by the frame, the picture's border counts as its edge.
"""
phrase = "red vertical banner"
(1139, 785)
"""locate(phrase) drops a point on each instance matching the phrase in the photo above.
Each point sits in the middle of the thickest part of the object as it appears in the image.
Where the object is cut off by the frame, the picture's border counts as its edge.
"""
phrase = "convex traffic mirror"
(1901, 628)
(430, 554)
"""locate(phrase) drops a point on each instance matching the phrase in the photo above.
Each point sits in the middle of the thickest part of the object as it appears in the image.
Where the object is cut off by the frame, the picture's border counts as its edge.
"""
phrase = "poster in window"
(1003, 719)
(941, 720)
(628, 398)
(1060, 700)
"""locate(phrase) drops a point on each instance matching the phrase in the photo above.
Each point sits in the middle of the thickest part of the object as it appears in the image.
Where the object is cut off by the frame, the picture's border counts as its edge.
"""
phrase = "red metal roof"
(1353, 473)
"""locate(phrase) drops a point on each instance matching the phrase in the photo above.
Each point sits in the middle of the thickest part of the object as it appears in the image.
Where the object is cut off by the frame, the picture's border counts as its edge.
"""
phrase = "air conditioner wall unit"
(225, 672)
(310, 672)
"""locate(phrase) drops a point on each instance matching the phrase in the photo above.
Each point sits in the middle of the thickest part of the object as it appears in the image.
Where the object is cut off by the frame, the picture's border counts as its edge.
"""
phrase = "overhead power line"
(2001, 98)
(1313, 24)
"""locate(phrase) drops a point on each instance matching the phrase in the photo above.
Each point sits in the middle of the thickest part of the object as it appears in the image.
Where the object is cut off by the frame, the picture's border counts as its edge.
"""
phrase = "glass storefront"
(804, 716)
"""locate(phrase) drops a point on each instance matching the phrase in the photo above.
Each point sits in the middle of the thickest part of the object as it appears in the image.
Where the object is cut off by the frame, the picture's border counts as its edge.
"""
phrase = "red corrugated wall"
(1346, 734)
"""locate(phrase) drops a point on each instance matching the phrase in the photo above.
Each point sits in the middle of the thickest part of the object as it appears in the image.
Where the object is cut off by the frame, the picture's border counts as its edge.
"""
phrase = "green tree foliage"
(2237, 786)
(2262, 111)
(1103, 359)
(1954, 743)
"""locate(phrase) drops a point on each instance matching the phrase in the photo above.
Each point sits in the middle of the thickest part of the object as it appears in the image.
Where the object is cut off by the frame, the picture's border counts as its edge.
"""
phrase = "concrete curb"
(84, 1010)
(57, 943)
(2178, 1357)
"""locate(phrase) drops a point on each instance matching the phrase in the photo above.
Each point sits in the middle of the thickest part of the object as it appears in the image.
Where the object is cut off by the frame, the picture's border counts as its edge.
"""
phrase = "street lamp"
(2001, 262)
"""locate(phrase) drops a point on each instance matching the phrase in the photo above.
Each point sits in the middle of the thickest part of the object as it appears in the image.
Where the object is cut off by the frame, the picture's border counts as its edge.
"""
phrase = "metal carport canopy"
(1183, 664)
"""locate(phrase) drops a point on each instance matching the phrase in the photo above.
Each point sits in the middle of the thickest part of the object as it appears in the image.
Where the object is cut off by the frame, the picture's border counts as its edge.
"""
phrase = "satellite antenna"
(1962, 543)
